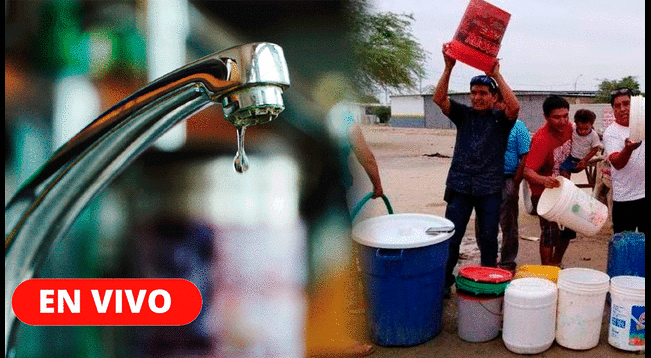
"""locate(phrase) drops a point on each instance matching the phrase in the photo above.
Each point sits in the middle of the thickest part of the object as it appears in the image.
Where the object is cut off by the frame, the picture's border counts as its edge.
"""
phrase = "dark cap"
(484, 81)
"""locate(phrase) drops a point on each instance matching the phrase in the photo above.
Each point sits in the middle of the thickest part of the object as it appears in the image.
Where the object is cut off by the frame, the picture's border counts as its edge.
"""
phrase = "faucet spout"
(247, 81)
(259, 99)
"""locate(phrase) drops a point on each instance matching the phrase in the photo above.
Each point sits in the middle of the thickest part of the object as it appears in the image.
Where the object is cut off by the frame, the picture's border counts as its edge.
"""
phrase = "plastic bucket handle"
(386, 254)
(366, 198)
(489, 311)
(556, 209)
(484, 306)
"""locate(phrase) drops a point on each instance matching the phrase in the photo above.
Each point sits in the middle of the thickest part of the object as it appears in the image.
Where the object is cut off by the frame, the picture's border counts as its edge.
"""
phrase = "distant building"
(419, 111)
(409, 111)
(365, 112)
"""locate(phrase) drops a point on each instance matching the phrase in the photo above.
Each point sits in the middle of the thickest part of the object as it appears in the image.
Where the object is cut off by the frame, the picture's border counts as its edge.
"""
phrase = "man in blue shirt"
(476, 176)
(514, 158)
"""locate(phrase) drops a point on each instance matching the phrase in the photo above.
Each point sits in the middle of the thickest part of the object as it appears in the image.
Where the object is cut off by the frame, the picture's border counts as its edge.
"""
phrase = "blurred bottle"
(167, 32)
(238, 237)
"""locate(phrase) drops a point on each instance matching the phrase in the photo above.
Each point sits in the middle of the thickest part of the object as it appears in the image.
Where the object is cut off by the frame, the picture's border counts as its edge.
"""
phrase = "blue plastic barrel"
(626, 254)
(404, 276)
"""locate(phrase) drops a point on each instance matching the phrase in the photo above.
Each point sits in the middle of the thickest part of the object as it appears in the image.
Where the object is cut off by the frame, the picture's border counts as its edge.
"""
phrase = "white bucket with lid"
(581, 302)
(636, 119)
(529, 315)
(571, 207)
(626, 330)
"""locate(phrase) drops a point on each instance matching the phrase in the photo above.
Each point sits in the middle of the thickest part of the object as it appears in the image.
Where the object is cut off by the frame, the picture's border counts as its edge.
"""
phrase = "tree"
(388, 56)
(606, 86)
(383, 113)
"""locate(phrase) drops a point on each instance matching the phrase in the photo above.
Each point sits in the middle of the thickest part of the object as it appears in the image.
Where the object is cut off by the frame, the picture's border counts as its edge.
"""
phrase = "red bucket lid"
(485, 274)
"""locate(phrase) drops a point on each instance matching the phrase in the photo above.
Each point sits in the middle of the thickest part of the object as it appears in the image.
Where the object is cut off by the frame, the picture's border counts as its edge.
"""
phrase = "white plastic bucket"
(479, 318)
(581, 301)
(627, 313)
(636, 119)
(529, 315)
(571, 207)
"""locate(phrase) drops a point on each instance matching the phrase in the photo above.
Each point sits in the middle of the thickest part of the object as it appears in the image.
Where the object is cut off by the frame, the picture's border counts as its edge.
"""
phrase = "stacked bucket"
(480, 293)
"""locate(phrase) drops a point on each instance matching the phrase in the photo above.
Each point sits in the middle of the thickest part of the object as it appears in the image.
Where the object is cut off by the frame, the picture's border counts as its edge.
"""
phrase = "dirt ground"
(413, 166)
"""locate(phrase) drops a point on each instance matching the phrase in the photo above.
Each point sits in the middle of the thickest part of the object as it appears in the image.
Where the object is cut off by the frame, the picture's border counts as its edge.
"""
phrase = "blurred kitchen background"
(67, 61)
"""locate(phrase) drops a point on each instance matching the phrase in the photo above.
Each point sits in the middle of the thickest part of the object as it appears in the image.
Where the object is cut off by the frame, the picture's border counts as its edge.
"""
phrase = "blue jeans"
(487, 210)
(569, 165)
(509, 211)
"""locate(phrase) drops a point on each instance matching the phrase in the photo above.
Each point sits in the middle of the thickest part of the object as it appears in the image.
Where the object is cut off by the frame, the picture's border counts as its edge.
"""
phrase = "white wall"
(407, 106)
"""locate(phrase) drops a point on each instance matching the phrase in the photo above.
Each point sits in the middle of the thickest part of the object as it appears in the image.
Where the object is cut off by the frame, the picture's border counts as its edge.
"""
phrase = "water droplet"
(241, 162)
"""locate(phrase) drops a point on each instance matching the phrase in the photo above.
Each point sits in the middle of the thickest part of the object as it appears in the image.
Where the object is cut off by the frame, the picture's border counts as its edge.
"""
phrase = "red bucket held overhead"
(479, 36)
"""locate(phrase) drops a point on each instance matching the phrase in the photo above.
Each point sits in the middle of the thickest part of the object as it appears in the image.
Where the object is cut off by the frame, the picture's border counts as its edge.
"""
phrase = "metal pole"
(575, 81)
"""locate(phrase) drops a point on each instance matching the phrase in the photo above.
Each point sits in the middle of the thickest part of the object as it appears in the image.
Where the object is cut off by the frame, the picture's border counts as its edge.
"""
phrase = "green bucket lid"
(480, 288)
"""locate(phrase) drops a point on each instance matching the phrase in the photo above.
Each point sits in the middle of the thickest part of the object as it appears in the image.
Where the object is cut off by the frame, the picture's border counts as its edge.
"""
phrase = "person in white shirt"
(627, 160)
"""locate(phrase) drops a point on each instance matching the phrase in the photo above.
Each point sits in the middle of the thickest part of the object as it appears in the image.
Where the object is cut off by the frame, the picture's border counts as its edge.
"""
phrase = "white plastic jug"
(636, 119)
(529, 315)
(571, 207)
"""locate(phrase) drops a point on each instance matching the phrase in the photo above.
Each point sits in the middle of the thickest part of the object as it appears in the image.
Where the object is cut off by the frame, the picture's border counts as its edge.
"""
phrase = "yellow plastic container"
(542, 271)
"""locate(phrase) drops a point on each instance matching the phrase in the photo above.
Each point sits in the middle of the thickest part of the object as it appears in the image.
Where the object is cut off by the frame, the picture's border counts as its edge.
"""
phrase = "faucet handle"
(259, 63)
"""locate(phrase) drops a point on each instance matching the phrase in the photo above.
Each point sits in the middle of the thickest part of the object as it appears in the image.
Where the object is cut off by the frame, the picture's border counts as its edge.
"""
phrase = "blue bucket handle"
(366, 198)
(382, 254)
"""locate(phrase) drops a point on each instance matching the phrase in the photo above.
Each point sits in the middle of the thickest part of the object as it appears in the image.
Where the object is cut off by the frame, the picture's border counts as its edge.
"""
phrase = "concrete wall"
(434, 118)
(531, 112)
(407, 122)
(603, 111)
(407, 106)
(530, 109)
(407, 111)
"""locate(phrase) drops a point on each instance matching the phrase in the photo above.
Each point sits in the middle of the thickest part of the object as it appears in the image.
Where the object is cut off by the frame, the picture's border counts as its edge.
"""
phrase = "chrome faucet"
(248, 81)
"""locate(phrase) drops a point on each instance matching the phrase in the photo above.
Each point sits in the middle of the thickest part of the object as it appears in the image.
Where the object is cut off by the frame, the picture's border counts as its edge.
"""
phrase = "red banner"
(106, 302)
(479, 36)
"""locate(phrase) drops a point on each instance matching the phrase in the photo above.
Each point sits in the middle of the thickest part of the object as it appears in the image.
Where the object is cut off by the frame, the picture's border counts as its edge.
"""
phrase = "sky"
(554, 45)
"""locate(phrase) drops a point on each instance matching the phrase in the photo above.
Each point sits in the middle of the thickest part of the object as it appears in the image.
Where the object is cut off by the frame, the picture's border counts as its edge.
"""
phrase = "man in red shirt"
(539, 169)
